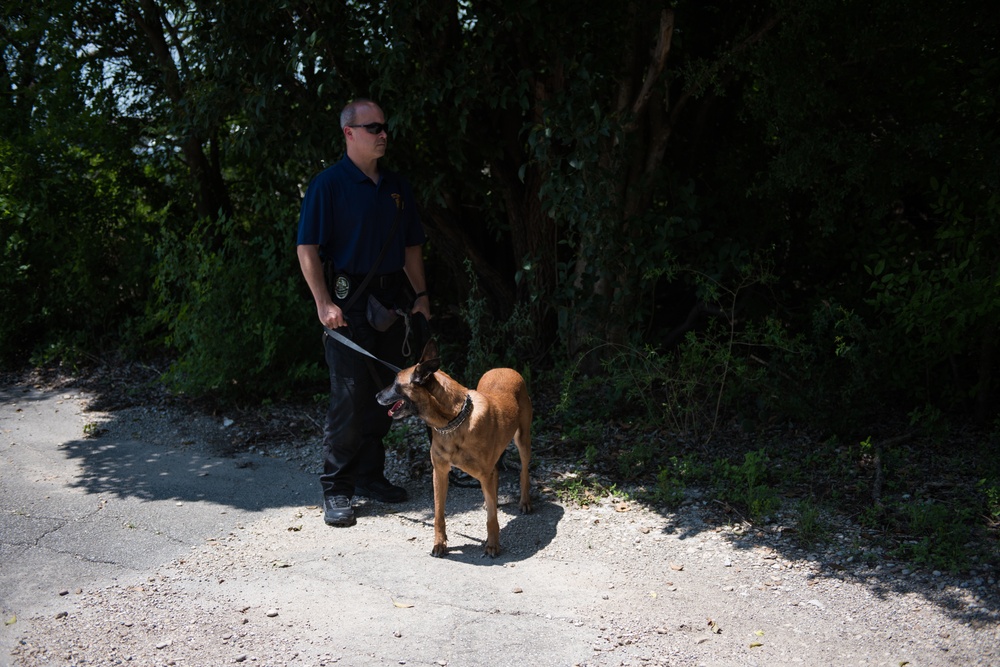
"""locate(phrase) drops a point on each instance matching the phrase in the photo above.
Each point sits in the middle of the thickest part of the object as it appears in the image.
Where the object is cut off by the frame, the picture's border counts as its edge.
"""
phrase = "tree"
(585, 174)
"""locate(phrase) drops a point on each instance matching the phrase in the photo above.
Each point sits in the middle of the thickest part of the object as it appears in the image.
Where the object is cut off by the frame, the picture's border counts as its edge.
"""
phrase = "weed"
(402, 434)
(493, 343)
(811, 529)
(745, 485)
(991, 496)
(582, 490)
(669, 489)
(633, 460)
(939, 535)
(673, 480)
(585, 435)
(94, 430)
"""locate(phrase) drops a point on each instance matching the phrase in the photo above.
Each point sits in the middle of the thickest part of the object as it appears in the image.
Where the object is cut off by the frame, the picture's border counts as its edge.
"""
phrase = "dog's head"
(407, 394)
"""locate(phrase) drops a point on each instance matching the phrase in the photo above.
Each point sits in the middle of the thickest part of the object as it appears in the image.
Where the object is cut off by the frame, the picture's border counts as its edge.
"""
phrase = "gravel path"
(615, 583)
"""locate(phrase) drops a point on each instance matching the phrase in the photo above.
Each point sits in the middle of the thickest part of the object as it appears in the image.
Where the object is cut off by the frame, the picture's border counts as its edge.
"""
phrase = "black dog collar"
(460, 419)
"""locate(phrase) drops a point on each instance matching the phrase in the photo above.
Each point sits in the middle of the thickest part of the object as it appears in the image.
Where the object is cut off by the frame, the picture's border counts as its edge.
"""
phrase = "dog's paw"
(526, 508)
(439, 550)
(492, 550)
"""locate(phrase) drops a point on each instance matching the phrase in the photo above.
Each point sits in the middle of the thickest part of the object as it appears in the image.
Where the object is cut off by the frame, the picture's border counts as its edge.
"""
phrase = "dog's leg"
(490, 484)
(441, 469)
(522, 439)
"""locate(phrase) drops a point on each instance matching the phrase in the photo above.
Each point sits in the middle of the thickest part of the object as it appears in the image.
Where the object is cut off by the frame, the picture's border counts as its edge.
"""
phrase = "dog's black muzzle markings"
(400, 405)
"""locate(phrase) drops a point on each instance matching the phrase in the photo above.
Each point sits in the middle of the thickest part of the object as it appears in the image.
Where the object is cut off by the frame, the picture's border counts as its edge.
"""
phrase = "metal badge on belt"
(342, 287)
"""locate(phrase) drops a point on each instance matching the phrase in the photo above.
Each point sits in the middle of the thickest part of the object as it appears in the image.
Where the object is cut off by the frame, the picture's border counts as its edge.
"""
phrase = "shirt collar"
(356, 173)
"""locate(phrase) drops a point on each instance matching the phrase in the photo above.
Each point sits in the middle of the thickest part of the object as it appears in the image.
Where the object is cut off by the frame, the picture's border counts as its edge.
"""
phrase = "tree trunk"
(211, 194)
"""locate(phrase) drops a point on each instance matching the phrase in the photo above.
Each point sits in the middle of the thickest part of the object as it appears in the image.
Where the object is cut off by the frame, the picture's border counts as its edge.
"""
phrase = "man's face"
(360, 142)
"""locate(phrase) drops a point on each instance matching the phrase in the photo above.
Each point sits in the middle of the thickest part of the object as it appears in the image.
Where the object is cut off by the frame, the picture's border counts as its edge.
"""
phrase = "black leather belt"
(386, 281)
(344, 285)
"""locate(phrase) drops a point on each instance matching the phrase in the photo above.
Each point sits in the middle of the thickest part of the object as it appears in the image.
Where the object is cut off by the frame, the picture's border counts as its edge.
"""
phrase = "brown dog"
(471, 430)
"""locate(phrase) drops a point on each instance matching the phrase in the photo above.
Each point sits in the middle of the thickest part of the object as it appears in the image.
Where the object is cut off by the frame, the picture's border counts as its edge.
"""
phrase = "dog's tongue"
(396, 406)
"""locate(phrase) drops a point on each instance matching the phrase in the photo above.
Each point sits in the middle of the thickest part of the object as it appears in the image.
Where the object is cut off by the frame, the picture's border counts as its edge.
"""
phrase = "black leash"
(344, 340)
(455, 476)
(421, 329)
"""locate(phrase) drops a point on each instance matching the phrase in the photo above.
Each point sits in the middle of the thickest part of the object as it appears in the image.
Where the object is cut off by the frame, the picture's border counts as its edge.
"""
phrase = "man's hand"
(312, 269)
(331, 316)
(422, 305)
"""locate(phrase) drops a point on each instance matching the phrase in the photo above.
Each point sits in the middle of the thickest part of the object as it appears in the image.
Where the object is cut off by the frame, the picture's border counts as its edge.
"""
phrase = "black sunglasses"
(374, 128)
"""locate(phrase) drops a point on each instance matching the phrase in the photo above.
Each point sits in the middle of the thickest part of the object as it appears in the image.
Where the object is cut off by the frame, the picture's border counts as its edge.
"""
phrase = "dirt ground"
(136, 534)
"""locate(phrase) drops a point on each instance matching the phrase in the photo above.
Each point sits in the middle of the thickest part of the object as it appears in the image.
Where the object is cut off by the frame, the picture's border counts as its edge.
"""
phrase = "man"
(358, 218)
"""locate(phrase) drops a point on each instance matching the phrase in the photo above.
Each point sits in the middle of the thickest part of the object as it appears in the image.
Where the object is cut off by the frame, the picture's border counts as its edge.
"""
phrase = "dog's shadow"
(521, 535)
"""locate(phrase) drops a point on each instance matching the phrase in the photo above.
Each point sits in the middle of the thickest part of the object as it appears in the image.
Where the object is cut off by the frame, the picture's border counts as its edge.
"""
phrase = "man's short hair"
(350, 112)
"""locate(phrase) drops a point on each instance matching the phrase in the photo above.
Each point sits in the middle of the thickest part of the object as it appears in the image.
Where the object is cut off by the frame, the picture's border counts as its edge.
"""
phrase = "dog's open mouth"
(396, 407)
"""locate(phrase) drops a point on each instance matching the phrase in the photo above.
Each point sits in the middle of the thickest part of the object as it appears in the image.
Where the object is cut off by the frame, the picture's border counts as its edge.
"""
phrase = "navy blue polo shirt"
(349, 217)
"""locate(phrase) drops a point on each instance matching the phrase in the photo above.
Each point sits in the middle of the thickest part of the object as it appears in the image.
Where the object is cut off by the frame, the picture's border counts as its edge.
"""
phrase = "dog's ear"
(425, 370)
(430, 351)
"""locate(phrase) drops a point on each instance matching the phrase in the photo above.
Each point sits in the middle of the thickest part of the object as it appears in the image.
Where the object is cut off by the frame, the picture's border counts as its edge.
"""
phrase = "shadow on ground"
(967, 597)
(522, 536)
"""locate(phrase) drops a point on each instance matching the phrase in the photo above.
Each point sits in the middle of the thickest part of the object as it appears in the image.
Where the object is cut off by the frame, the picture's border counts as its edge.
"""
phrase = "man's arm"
(312, 270)
(413, 265)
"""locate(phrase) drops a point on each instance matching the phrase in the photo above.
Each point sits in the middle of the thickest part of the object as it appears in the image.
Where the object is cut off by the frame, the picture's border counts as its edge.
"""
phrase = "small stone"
(64, 592)
(62, 614)
(163, 645)
(240, 658)
(271, 613)
(517, 589)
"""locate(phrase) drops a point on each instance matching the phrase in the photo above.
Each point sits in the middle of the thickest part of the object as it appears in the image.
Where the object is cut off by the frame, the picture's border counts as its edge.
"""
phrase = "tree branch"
(656, 66)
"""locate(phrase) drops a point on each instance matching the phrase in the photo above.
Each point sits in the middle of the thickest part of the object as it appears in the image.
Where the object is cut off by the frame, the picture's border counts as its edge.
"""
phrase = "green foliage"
(938, 297)
(492, 343)
(673, 479)
(711, 373)
(939, 534)
(597, 191)
(639, 455)
(829, 376)
(990, 493)
(582, 489)
(810, 528)
(746, 486)
(71, 259)
(225, 310)
(403, 434)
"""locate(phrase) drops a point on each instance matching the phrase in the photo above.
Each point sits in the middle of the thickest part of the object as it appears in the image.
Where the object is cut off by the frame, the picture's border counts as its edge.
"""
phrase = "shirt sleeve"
(316, 211)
